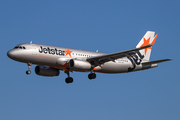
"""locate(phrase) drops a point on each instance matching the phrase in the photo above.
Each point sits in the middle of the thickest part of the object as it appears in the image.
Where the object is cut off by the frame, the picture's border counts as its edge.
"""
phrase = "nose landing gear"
(29, 67)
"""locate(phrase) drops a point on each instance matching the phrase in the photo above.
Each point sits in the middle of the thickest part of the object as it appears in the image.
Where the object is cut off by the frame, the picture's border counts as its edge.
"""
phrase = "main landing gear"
(29, 67)
(92, 75)
(68, 79)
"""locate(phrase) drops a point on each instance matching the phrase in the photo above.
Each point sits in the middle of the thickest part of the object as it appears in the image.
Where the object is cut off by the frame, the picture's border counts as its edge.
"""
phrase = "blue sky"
(107, 26)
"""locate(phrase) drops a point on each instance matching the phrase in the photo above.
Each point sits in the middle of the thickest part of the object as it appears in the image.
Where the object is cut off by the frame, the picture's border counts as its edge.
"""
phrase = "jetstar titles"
(51, 51)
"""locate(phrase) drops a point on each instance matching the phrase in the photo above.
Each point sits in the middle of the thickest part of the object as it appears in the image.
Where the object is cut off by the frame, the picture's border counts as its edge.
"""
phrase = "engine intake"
(79, 64)
(46, 71)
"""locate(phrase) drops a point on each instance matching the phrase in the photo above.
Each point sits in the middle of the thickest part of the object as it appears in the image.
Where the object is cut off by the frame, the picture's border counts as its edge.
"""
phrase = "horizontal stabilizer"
(155, 62)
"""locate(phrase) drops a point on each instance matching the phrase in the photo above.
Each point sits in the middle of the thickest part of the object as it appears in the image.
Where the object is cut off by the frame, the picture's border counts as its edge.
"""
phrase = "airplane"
(50, 60)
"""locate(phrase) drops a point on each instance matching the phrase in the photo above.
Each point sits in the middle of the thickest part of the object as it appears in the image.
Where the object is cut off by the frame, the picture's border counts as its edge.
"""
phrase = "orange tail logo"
(146, 42)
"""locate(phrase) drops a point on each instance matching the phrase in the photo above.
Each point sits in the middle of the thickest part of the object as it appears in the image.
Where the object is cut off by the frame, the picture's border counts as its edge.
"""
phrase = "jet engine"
(77, 64)
(46, 71)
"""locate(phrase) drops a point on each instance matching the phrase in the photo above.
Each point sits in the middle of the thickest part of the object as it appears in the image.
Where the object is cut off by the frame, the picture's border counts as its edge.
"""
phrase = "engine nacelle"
(46, 71)
(79, 64)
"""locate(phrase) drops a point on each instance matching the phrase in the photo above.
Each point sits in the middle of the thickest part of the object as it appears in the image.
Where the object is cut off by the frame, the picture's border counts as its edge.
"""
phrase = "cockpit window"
(19, 47)
(16, 47)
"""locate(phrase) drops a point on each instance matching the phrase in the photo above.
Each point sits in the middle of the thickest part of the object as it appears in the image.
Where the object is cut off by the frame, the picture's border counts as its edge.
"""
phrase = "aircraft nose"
(11, 54)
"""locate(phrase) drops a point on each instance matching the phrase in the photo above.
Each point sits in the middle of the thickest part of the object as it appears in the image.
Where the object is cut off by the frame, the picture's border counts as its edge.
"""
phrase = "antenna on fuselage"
(31, 42)
(96, 50)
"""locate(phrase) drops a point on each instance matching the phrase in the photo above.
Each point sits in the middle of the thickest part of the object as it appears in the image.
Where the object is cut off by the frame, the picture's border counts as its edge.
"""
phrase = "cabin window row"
(81, 55)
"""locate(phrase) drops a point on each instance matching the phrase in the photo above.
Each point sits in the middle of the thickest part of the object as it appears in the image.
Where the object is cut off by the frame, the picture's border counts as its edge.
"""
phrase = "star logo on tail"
(147, 42)
(68, 52)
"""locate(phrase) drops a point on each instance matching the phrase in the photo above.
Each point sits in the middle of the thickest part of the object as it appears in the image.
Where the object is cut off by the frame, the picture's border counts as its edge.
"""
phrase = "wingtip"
(169, 59)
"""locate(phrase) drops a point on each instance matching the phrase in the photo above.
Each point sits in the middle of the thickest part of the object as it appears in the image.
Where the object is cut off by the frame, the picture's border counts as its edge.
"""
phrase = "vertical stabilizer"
(147, 39)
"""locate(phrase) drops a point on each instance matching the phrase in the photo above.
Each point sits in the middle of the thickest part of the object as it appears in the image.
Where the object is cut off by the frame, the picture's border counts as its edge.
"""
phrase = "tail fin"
(147, 39)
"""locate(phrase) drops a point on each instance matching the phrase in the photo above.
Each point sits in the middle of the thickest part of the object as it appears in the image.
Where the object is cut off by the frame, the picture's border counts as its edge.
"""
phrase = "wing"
(98, 60)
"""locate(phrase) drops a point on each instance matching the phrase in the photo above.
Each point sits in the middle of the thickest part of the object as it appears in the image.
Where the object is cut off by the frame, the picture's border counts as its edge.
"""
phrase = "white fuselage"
(51, 59)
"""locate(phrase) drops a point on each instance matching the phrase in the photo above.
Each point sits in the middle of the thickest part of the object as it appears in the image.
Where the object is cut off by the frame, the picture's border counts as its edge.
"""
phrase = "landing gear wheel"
(29, 67)
(28, 72)
(69, 80)
(92, 76)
